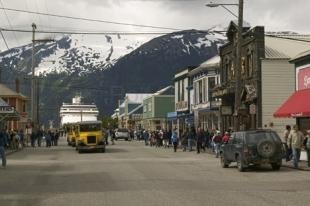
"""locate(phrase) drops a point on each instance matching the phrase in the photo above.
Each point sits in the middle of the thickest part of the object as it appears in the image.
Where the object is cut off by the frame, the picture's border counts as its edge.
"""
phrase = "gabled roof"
(271, 53)
(288, 46)
(3, 103)
(301, 55)
(213, 62)
(7, 92)
(137, 110)
(164, 91)
(136, 97)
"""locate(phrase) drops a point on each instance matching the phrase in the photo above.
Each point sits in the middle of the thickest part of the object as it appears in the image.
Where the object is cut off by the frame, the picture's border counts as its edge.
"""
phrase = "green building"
(156, 107)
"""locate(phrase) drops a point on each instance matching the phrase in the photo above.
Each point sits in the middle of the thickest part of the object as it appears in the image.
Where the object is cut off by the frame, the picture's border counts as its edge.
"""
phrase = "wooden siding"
(278, 83)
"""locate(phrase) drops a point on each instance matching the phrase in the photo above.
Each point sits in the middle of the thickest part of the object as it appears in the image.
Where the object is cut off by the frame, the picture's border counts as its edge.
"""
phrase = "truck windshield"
(90, 127)
(255, 137)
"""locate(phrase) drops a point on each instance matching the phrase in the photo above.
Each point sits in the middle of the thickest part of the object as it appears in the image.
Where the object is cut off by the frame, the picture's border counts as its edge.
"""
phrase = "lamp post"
(238, 57)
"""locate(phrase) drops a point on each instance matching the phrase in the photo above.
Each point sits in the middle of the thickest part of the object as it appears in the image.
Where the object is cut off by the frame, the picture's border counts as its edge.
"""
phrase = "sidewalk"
(302, 165)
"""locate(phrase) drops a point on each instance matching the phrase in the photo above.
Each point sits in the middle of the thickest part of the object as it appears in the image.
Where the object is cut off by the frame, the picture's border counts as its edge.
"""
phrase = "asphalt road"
(132, 174)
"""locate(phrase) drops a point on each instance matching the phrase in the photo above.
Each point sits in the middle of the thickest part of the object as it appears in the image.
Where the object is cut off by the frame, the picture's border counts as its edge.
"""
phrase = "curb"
(12, 152)
(299, 168)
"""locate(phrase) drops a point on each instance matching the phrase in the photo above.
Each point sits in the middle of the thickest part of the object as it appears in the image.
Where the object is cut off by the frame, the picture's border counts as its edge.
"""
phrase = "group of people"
(294, 140)
(187, 139)
(50, 138)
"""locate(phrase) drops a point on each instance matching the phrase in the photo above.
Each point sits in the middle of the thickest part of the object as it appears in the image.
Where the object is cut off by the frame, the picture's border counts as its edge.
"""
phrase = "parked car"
(122, 134)
(253, 148)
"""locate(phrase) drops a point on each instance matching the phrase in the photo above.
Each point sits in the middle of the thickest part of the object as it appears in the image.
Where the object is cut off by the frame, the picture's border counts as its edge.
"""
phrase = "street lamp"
(238, 58)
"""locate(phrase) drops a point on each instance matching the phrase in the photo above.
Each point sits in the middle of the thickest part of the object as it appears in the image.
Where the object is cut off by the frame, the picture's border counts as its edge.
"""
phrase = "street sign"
(252, 109)
(6, 110)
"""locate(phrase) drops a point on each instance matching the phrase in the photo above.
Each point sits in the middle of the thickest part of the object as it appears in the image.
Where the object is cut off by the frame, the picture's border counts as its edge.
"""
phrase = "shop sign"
(136, 117)
(251, 92)
(181, 105)
(226, 110)
(6, 110)
(303, 81)
(252, 109)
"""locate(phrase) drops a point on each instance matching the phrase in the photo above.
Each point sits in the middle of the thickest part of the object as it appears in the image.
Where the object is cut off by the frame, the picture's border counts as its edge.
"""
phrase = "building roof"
(288, 46)
(7, 92)
(137, 97)
(301, 55)
(211, 63)
(271, 53)
(3, 103)
(136, 110)
(164, 91)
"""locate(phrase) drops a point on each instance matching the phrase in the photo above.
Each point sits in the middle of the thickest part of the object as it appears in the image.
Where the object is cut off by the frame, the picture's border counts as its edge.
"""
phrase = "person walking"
(146, 137)
(217, 140)
(184, 140)
(225, 138)
(39, 137)
(3, 143)
(48, 139)
(284, 139)
(175, 140)
(199, 141)
(307, 145)
(295, 141)
(190, 138)
(56, 137)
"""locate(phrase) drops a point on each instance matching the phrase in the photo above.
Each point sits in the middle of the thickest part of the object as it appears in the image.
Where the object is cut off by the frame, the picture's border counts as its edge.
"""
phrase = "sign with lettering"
(6, 110)
(303, 81)
(180, 106)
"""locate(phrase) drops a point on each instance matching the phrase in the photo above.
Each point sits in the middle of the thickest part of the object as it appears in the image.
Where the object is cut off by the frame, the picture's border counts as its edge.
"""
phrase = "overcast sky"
(275, 15)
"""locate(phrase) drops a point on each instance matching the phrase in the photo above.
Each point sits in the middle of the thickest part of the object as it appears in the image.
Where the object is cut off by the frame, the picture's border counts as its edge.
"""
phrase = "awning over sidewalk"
(297, 105)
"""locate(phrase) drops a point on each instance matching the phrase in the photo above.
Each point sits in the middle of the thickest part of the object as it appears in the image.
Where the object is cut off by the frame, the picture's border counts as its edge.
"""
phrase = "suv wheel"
(266, 148)
(224, 163)
(240, 164)
(276, 165)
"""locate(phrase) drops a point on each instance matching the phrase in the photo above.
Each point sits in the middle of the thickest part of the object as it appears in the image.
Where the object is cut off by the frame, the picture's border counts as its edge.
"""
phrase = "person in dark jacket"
(3, 143)
(190, 138)
(184, 141)
(200, 137)
(175, 140)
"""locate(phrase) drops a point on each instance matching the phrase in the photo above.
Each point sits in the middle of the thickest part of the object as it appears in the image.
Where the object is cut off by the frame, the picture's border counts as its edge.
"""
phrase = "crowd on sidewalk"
(188, 140)
(294, 141)
(15, 140)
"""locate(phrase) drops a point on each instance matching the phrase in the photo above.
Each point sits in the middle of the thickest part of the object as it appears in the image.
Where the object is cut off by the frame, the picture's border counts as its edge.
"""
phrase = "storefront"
(297, 105)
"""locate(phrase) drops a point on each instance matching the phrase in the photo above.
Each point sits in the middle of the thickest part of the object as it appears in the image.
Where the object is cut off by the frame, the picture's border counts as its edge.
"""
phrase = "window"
(182, 87)
(200, 92)
(150, 106)
(211, 85)
(179, 91)
(232, 70)
(226, 71)
(249, 64)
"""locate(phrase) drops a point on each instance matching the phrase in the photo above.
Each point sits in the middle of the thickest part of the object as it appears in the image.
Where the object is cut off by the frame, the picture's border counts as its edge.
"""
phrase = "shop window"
(200, 92)
(249, 64)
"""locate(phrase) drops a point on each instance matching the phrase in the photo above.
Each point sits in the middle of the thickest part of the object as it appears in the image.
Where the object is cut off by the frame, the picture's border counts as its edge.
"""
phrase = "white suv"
(122, 134)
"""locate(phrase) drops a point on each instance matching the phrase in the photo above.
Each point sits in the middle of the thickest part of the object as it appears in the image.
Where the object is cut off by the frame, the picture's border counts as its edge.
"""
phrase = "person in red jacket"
(226, 138)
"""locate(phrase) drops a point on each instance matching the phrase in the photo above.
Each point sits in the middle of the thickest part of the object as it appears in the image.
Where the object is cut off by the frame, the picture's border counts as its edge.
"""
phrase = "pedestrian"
(33, 138)
(39, 137)
(112, 132)
(190, 138)
(175, 140)
(48, 138)
(146, 137)
(307, 145)
(217, 140)
(52, 138)
(184, 140)
(284, 139)
(199, 139)
(56, 137)
(3, 144)
(165, 139)
(226, 138)
(295, 141)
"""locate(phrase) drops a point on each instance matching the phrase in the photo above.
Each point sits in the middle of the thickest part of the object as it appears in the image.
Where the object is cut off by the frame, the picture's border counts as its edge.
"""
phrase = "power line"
(89, 19)
(8, 19)
(105, 32)
(6, 44)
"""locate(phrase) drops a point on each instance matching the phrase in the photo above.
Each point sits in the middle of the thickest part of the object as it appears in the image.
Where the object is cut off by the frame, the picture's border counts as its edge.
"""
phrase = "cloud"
(275, 15)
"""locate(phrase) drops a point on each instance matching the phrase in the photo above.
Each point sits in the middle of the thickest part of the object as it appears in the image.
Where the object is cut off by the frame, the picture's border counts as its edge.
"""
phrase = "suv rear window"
(255, 137)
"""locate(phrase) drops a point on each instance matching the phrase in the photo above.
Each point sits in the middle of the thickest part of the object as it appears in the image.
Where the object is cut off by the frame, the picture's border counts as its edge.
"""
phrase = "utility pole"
(33, 85)
(238, 69)
(34, 81)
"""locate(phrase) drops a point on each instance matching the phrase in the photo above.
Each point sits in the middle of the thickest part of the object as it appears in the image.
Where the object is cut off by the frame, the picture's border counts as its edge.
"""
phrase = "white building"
(78, 112)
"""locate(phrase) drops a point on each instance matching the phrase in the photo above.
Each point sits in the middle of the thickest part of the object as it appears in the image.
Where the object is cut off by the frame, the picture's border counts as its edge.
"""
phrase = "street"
(131, 174)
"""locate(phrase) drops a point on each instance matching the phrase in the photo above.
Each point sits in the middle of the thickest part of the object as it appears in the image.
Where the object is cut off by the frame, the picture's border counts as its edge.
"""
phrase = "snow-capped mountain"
(104, 68)
(76, 53)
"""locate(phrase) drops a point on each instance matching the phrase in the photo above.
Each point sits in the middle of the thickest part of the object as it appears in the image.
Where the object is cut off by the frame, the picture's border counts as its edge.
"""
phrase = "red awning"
(297, 105)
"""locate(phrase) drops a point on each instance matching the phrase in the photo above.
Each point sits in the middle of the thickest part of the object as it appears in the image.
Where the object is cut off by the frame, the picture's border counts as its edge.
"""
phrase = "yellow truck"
(69, 129)
(89, 136)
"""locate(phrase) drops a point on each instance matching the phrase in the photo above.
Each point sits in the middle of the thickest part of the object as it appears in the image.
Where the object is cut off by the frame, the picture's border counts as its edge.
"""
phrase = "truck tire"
(276, 165)
(240, 164)
(266, 148)
(224, 163)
